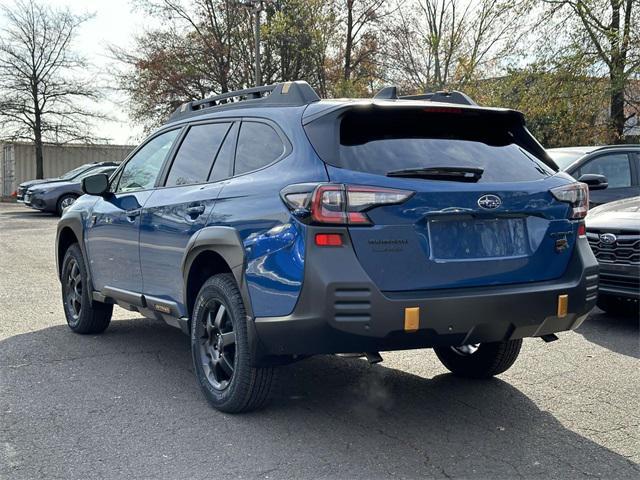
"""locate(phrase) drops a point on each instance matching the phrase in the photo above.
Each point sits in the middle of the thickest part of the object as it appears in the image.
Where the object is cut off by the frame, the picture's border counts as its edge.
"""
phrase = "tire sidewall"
(74, 253)
(215, 290)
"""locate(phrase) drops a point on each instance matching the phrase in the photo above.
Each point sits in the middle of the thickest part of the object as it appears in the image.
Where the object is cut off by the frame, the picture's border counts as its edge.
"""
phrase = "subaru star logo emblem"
(489, 202)
(608, 238)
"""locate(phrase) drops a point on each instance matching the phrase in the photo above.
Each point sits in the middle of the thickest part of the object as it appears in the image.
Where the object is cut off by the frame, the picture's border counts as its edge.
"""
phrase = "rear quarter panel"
(272, 239)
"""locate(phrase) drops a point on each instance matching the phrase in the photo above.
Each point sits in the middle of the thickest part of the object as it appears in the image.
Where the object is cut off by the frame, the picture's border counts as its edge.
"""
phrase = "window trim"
(166, 170)
(629, 154)
(288, 148)
(134, 152)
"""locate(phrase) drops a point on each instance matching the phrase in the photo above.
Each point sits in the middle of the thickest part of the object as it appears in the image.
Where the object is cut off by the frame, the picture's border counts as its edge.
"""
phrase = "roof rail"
(291, 94)
(454, 96)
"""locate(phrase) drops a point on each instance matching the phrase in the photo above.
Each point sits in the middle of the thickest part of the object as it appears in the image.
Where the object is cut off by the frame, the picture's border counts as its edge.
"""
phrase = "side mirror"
(95, 184)
(595, 181)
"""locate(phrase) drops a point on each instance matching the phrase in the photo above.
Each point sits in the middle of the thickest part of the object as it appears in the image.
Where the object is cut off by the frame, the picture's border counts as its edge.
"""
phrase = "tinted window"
(195, 157)
(615, 167)
(141, 171)
(223, 167)
(379, 142)
(258, 146)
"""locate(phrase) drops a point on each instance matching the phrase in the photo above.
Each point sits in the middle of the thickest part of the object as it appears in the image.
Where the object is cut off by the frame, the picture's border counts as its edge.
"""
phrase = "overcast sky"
(115, 23)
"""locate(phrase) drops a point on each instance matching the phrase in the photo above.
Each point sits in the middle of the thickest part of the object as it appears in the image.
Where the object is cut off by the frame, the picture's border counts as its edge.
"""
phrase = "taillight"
(339, 204)
(575, 194)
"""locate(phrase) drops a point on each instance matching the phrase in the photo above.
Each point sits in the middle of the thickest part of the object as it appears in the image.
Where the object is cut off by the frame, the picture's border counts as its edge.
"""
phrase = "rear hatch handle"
(452, 174)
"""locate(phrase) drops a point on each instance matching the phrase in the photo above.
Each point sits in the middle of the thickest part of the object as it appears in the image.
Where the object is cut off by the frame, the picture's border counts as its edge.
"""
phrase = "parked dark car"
(613, 231)
(70, 175)
(271, 225)
(55, 196)
(612, 172)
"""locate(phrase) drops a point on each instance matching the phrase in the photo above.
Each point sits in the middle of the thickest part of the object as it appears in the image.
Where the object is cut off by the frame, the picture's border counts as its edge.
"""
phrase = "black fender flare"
(72, 220)
(226, 242)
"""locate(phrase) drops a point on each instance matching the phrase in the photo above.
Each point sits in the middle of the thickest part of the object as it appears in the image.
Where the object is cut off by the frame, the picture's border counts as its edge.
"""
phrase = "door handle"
(132, 214)
(195, 210)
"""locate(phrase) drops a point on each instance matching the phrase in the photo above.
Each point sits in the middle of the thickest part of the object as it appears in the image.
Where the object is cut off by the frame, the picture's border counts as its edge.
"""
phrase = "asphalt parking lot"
(125, 404)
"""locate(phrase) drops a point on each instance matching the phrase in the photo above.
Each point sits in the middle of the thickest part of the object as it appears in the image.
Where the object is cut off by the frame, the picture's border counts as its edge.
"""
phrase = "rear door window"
(615, 167)
(258, 146)
(223, 167)
(194, 160)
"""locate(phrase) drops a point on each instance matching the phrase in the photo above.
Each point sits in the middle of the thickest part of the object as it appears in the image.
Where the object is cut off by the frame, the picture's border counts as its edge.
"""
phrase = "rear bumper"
(340, 310)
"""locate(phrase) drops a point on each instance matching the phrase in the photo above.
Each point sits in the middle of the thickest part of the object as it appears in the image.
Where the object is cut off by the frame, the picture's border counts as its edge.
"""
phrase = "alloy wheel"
(74, 289)
(218, 346)
(466, 350)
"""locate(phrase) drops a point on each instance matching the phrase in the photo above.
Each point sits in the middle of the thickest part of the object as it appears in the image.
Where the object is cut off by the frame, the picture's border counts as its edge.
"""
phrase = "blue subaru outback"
(271, 225)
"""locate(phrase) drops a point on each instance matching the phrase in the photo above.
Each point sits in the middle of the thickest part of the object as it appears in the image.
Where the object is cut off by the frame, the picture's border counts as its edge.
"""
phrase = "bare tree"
(41, 92)
(445, 43)
(609, 31)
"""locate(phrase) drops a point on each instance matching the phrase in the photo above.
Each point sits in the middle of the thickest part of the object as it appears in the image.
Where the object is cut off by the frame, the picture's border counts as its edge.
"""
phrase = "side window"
(223, 167)
(615, 167)
(194, 159)
(258, 146)
(142, 169)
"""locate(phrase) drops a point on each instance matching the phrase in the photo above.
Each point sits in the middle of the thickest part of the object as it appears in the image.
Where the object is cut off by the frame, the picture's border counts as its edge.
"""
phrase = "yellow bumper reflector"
(411, 319)
(563, 305)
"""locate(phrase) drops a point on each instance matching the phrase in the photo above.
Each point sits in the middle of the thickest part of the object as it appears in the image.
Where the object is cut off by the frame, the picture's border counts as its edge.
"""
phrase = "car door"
(181, 207)
(112, 233)
(616, 166)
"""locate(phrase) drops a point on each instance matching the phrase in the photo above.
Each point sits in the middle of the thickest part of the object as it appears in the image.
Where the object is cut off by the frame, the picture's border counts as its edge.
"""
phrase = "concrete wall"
(18, 160)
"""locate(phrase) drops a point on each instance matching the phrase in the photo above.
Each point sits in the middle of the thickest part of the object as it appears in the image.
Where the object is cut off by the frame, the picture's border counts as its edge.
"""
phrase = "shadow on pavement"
(616, 333)
(125, 404)
(27, 214)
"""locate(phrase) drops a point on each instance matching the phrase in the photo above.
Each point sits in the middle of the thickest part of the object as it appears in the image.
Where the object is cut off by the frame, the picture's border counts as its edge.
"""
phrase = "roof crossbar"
(292, 94)
(454, 96)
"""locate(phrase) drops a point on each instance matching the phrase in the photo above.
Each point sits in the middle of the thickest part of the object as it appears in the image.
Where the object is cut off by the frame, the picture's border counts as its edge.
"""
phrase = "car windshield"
(75, 172)
(563, 158)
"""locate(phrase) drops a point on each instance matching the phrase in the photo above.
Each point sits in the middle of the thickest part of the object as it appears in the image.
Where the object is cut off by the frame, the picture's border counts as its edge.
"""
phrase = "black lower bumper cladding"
(340, 310)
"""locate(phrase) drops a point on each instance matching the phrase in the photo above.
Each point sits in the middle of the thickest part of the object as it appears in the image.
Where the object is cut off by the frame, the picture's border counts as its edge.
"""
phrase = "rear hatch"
(481, 212)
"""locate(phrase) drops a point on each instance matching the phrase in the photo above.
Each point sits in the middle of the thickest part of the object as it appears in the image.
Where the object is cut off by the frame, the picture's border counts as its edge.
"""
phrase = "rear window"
(380, 141)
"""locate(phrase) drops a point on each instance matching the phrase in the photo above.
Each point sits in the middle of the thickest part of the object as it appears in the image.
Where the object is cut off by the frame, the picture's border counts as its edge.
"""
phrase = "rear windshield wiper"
(452, 174)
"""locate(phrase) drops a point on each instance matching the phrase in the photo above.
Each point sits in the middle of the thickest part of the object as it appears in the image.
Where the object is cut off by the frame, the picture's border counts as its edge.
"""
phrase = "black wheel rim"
(218, 345)
(74, 289)
(466, 350)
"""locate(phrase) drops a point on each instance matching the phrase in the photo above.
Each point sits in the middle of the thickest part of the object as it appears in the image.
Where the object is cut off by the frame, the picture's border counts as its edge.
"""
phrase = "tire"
(480, 361)
(618, 306)
(63, 203)
(84, 315)
(222, 358)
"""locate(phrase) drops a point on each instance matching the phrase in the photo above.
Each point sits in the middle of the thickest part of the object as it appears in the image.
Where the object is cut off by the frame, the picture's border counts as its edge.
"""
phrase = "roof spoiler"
(454, 96)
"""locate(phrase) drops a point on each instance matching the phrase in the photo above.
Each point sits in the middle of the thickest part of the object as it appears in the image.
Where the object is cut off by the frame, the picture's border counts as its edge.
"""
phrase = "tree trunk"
(617, 106)
(37, 137)
(349, 42)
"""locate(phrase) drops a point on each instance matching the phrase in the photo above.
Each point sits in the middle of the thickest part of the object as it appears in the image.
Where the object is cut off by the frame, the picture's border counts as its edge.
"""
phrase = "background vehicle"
(70, 175)
(613, 231)
(618, 164)
(55, 196)
(271, 225)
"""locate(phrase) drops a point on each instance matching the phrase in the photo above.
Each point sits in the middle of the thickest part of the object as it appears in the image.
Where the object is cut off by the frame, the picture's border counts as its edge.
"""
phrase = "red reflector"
(328, 239)
(582, 230)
